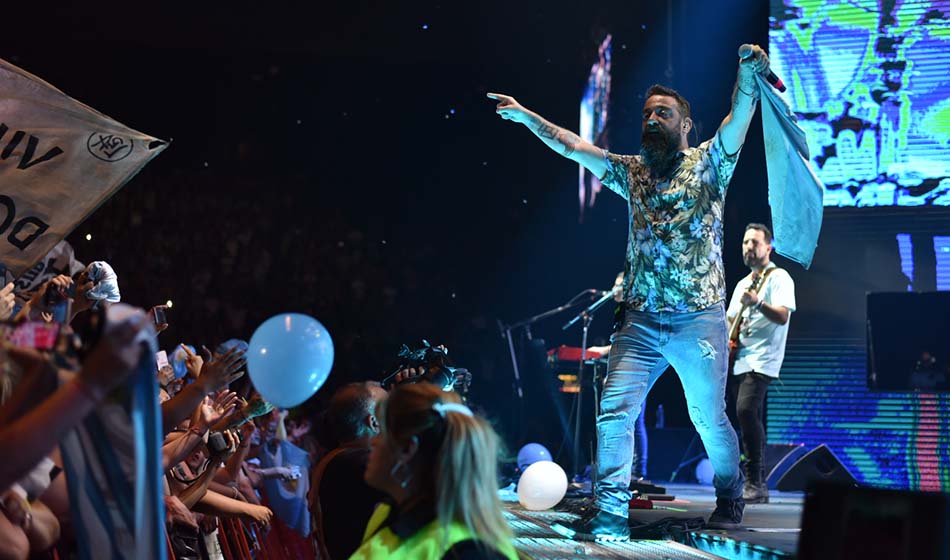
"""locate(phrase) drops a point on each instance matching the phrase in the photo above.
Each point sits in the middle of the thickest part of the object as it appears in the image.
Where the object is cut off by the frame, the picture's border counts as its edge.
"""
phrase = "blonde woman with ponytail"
(437, 462)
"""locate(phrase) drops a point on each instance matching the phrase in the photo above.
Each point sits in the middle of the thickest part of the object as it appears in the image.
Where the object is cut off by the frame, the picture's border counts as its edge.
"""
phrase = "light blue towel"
(106, 282)
(795, 192)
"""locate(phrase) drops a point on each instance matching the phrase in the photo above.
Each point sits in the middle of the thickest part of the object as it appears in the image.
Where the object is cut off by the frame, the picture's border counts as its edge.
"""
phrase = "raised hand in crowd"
(233, 473)
(218, 373)
(215, 407)
(298, 429)
(247, 430)
(243, 415)
(217, 455)
(62, 284)
(213, 375)
(37, 299)
(7, 301)
(158, 311)
(193, 363)
(220, 455)
(409, 373)
(83, 286)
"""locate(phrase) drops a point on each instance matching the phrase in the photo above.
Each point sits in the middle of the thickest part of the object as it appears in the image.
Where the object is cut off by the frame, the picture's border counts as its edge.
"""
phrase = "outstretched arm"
(734, 127)
(559, 139)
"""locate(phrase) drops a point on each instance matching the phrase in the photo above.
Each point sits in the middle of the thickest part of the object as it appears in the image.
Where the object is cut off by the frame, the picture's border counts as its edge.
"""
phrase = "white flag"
(59, 161)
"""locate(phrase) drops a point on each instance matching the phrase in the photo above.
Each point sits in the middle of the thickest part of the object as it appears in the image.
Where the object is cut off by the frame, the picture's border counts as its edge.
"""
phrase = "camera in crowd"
(57, 301)
(217, 443)
(435, 365)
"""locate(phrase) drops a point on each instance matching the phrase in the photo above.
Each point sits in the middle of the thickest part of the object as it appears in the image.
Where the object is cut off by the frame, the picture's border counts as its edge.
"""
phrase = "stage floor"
(769, 530)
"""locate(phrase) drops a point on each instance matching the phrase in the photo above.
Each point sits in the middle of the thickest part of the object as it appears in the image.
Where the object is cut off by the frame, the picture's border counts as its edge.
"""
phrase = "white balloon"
(542, 486)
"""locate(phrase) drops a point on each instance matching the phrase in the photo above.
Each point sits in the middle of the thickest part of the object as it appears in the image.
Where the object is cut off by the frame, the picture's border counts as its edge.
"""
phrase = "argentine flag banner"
(59, 161)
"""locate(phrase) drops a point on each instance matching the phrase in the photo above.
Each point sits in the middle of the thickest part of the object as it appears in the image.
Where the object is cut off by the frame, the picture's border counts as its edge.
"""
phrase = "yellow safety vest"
(426, 544)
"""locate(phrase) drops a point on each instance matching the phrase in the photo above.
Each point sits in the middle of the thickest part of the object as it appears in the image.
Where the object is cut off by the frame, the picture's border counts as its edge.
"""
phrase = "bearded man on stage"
(674, 287)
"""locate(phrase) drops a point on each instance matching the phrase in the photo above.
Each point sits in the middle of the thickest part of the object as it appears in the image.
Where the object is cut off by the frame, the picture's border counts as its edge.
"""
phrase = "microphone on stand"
(745, 51)
(604, 297)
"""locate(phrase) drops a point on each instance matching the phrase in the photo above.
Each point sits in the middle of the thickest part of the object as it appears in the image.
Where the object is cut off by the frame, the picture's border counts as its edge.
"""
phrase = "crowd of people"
(296, 483)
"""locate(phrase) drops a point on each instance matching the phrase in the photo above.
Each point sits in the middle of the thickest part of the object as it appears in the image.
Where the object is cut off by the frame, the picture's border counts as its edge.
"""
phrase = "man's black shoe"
(727, 515)
(597, 526)
(580, 507)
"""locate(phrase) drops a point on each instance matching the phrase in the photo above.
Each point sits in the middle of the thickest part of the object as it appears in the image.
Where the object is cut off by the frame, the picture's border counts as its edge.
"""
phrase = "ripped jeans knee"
(613, 418)
(707, 350)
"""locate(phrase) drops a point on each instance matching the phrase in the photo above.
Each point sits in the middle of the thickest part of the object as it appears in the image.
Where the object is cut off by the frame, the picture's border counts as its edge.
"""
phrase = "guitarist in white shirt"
(758, 316)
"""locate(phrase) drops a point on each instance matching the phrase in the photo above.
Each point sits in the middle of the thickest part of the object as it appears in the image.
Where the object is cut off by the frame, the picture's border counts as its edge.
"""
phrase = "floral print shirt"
(674, 252)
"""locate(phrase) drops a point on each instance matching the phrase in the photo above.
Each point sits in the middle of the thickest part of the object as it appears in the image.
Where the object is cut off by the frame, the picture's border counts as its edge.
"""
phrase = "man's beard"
(659, 150)
(751, 260)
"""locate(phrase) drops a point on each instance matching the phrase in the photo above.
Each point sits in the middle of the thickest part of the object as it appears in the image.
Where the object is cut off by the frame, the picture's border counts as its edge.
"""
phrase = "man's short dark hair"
(657, 89)
(763, 228)
(348, 409)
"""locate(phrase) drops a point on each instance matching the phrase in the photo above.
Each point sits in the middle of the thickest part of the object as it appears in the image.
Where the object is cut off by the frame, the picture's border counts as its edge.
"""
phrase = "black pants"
(748, 391)
(640, 446)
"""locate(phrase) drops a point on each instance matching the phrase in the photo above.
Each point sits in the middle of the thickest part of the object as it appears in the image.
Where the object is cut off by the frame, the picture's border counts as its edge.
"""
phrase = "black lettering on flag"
(39, 226)
(26, 160)
(34, 226)
(11, 212)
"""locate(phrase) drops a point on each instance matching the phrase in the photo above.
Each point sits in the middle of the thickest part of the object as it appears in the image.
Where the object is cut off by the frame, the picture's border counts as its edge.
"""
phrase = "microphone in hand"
(746, 51)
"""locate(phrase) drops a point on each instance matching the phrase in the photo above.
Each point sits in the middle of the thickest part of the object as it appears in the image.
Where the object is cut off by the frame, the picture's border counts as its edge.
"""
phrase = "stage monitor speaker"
(819, 464)
(779, 457)
(843, 522)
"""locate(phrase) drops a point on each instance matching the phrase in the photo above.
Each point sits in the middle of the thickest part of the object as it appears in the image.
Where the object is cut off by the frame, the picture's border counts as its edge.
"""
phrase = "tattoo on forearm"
(567, 139)
(547, 130)
(570, 142)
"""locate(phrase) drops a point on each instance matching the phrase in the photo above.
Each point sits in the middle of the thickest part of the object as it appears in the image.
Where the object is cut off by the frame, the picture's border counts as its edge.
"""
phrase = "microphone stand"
(506, 334)
(587, 316)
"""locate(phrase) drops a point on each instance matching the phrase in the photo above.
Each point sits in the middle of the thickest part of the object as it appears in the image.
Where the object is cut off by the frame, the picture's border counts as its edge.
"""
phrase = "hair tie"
(443, 408)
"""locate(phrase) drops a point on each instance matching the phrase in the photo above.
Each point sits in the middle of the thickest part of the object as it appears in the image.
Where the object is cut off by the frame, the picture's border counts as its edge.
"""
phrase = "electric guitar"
(734, 328)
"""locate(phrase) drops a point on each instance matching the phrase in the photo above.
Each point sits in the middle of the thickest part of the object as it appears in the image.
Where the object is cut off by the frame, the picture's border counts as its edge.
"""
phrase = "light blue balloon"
(704, 472)
(531, 453)
(289, 358)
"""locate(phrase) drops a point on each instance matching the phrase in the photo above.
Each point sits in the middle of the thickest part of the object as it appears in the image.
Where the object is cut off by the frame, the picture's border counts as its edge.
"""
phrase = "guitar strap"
(765, 276)
(758, 290)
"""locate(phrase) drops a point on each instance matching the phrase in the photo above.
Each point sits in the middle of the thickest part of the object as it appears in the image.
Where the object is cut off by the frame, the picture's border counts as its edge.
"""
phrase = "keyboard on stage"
(564, 361)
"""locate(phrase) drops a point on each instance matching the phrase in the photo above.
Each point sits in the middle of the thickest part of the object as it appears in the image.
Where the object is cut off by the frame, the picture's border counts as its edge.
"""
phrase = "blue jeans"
(695, 345)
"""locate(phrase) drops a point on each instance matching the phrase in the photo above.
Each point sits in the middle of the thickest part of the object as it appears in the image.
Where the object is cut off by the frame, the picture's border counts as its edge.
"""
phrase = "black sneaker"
(727, 515)
(597, 526)
(580, 507)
